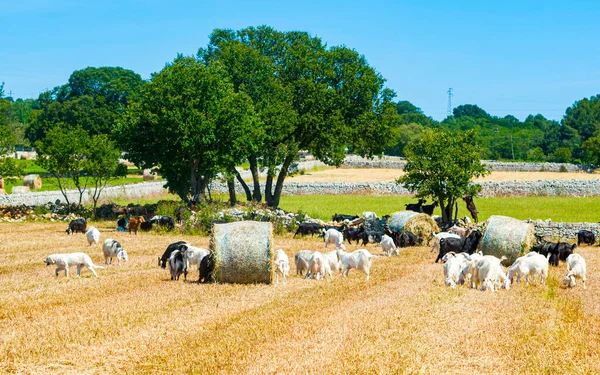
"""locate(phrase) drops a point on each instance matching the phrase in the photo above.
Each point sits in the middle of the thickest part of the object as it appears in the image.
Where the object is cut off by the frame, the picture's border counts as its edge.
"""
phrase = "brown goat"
(134, 224)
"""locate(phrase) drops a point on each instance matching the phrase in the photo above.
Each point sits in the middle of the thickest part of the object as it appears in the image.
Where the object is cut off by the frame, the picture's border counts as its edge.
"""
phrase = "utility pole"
(450, 101)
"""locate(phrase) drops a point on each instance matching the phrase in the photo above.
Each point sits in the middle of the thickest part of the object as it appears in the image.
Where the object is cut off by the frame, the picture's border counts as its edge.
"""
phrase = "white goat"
(530, 264)
(467, 272)
(333, 236)
(360, 259)
(193, 255)
(282, 266)
(439, 236)
(369, 215)
(453, 265)
(93, 235)
(302, 258)
(317, 267)
(112, 248)
(489, 272)
(388, 245)
(576, 268)
(334, 263)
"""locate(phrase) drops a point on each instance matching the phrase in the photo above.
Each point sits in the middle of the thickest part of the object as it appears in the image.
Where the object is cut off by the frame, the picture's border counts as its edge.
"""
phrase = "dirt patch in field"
(381, 175)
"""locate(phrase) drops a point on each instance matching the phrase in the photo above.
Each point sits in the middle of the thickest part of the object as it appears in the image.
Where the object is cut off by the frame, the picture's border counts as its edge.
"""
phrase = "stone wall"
(127, 191)
(566, 232)
(577, 188)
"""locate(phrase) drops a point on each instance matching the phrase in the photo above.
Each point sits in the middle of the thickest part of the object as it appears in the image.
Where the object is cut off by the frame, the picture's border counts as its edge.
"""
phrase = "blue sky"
(508, 57)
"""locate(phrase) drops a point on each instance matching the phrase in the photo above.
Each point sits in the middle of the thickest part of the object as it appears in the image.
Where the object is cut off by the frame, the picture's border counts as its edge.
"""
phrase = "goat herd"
(456, 248)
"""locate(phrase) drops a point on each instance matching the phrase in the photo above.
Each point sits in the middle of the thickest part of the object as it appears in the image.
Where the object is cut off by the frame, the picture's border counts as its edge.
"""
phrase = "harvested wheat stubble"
(244, 252)
(420, 224)
(506, 236)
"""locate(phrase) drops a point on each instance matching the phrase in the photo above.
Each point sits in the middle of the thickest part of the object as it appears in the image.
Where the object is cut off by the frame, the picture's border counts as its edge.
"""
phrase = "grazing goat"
(359, 259)
(333, 236)
(193, 255)
(488, 272)
(428, 209)
(93, 235)
(334, 262)
(453, 265)
(471, 207)
(163, 221)
(370, 236)
(530, 264)
(369, 215)
(112, 248)
(353, 234)
(439, 236)
(458, 245)
(207, 268)
(77, 226)
(342, 217)
(561, 251)
(134, 224)
(576, 268)
(302, 258)
(586, 237)
(415, 206)
(177, 265)
(388, 245)
(407, 239)
(469, 269)
(282, 266)
(162, 261)
(317, 267)
(308, 228)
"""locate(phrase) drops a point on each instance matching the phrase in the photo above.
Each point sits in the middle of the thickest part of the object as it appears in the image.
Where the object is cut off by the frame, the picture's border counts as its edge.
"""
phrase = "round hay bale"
(148, 176)
(20, 189)
(421, 225)
(34, 181)
(506, 236)
(244, 252)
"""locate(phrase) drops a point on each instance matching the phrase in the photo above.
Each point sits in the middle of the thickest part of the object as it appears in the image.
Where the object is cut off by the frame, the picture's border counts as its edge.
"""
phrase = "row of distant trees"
(257, 95)
(575, 139)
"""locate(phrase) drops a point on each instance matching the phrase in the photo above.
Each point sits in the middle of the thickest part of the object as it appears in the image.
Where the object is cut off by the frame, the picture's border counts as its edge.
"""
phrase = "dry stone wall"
(566, 232)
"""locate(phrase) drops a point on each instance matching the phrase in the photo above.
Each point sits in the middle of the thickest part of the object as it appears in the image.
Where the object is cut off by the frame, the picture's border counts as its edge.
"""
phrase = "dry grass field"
(380, 175)
(134, 320)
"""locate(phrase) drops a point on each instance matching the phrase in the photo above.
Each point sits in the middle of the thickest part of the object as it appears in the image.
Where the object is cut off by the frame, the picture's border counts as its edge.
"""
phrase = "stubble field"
(133, 319)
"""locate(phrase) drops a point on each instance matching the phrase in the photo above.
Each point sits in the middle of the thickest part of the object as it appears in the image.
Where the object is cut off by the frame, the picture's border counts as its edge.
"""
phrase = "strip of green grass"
(50, 184)
(568, 209)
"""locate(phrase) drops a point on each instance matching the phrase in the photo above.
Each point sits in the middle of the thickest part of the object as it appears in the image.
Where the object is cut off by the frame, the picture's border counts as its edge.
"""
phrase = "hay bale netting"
(244, 252)
(420, 224)
(34, 181)
(506, 236)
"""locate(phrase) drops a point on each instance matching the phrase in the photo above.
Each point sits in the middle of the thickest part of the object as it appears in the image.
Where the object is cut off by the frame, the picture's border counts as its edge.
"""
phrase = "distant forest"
(575, 139)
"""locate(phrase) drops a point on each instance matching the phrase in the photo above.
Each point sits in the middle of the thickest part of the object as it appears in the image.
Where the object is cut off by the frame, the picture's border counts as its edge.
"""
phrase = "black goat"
(77, 226)
(471, 206)
(459, 245)
(308, 228)
(207, 268)
(162, 261)
(353, 234)
(178, 265)
(371, 236)
(342, 217)
(428, 209)
(586, 237)
(415, 206)
(407, 239)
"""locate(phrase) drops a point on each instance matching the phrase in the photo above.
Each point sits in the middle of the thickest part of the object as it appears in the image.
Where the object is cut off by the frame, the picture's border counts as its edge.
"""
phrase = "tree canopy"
(93, 99)
(307, 96)
(441, 165)
(190, 125)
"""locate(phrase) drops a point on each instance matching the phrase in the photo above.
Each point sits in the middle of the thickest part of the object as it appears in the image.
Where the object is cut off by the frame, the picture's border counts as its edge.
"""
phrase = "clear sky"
(508, 57)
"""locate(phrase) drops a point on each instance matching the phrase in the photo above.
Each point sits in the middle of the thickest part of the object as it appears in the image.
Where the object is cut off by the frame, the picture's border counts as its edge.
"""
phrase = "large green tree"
(584, 117)
(441, 165)
(189, 124)
(63, 153)
(308, 97)
(93, 99)
(100, 165)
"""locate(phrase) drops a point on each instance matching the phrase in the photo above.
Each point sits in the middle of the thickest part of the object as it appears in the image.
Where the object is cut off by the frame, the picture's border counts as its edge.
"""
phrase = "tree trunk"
(274, 202)
(232, 197)
(244, 185)
(268, 189)
(64, 193)
(256, 195)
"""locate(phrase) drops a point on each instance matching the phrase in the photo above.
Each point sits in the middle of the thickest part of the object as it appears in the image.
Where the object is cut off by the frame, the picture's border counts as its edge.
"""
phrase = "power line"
(450, 102)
